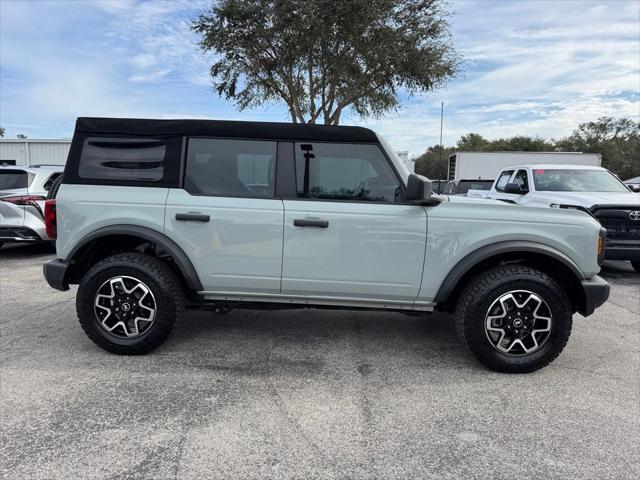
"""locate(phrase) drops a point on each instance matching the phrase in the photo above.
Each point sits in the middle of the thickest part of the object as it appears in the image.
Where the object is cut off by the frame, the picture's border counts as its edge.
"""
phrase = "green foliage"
(21, 136)
(434, 162)
(616, 139)
(324, 56)
(2, 131)
(474, 142)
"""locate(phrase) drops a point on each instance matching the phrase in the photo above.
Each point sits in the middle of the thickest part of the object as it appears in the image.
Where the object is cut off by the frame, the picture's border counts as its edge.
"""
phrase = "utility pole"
(441, 121)
(440, 150)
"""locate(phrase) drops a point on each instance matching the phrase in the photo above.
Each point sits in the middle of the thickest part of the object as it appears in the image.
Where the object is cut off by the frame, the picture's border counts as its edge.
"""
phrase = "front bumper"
(56, 273)
(595, 292)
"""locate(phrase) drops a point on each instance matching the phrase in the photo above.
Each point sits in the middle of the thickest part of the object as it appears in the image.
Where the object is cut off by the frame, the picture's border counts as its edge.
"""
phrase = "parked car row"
(23, 191)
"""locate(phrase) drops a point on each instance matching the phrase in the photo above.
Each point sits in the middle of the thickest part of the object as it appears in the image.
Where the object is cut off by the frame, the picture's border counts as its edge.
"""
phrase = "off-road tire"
(478, 296)
(53, 189)
(636, 266)
(160, 279)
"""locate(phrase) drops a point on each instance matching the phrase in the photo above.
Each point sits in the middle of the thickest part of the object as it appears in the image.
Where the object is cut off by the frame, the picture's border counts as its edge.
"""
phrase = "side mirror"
(515, 188)
(419, 189)
(634, 188)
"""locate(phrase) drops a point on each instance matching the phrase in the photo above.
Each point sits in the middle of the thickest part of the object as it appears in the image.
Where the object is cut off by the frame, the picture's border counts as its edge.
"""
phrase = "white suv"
(156, 216)
(23, 191)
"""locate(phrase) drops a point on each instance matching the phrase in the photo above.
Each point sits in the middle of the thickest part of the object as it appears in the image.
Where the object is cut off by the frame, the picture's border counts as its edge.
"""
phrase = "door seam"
(282, 252)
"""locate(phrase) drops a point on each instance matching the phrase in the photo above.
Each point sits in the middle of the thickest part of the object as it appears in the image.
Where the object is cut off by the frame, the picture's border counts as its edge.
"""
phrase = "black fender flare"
(458, 272)
(179, 257)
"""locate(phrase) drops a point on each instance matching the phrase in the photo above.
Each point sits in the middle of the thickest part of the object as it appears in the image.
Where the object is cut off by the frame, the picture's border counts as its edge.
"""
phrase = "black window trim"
(185, 154)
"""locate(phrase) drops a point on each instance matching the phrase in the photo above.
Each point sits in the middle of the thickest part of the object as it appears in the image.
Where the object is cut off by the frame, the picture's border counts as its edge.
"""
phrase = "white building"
(34, 152)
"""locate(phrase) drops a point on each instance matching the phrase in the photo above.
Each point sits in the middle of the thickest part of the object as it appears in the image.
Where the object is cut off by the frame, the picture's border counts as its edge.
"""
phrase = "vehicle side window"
(522, 179)
(122, 159)
(338, 171)
(503, 180)
(230, 168)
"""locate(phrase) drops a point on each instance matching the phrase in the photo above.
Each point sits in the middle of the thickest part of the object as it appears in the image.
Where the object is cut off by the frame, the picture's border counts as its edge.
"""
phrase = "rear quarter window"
(128, 159)
(13, 179)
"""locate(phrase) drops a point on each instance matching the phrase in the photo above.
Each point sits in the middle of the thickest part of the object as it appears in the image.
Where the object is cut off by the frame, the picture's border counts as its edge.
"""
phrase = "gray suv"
(154, 217)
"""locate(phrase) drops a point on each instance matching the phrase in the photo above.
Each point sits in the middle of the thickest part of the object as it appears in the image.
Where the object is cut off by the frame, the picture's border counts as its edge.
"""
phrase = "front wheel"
(514, 319)
(128, 303)
(636, 266)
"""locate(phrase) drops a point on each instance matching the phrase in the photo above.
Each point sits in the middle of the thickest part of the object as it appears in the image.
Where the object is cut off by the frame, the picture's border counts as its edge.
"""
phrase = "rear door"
(225, 216)
(347, 233)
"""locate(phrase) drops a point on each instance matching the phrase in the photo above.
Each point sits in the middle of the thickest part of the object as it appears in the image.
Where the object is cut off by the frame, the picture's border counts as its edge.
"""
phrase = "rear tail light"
(24, 199)
(50, 222)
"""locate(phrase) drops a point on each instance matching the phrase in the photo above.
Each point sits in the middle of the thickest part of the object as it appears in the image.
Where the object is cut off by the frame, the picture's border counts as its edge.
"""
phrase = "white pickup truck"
(593, 190)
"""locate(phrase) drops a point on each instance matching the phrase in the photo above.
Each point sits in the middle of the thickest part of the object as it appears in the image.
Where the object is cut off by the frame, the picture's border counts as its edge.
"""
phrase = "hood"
(588, 199)
(473, 200)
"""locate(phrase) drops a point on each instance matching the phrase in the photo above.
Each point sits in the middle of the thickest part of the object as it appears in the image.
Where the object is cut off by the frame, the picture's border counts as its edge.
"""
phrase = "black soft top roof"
(223, 128)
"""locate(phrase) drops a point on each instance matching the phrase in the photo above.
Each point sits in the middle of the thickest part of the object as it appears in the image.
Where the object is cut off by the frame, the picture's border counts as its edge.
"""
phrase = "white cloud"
(533, 67)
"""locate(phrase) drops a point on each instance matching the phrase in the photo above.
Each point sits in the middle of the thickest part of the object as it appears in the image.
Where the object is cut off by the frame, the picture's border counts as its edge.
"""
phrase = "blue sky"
(531, 68)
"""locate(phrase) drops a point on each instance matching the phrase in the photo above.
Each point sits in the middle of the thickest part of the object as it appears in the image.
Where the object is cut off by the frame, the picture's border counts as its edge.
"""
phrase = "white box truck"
(487, 165)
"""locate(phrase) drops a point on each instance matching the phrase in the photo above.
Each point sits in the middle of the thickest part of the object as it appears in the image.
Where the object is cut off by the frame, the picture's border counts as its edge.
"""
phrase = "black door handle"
(303, 222)
(192, 217)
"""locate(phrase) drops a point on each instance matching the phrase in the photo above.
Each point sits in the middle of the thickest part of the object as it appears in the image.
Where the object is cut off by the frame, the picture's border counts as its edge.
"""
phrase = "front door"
(347, 234)
(226, 218)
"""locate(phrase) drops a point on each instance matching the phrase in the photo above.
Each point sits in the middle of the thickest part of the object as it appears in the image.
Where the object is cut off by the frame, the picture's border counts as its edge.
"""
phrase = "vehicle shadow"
(620, 271)
(303, 341)
(17, 251)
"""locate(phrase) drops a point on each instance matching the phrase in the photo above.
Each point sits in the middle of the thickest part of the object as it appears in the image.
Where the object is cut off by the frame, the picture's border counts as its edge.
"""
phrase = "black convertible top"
(224, 128)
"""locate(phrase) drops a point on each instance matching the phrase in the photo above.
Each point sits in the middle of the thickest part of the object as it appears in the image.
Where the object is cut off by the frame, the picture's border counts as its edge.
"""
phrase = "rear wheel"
(128, 303)
(636, 266)
(514, 318)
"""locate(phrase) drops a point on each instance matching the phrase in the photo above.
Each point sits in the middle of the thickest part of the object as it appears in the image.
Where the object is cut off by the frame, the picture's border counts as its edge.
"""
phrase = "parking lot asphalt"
(308, 394)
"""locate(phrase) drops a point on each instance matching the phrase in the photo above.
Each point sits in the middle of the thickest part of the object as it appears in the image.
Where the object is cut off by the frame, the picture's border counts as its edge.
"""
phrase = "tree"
(322, 57)
(21, 136)
(520, 143)
(616, 139)
(472, 142)
(433, 163)
(475, 142)
(2, 131)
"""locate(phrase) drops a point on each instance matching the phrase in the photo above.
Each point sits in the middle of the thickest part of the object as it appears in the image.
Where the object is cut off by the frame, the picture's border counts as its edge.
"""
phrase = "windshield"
(13, 179)
(578, 180)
